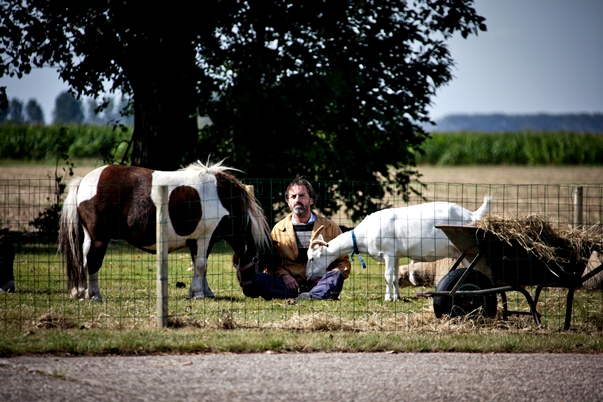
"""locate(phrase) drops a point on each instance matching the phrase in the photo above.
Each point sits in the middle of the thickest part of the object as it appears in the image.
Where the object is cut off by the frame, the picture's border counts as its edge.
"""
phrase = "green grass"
(41, 318)
(142, 342)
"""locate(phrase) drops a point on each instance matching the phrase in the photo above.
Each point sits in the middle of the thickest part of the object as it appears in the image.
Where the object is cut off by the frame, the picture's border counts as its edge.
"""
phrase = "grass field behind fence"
(360, 320)
(127, 278)
(128, 286)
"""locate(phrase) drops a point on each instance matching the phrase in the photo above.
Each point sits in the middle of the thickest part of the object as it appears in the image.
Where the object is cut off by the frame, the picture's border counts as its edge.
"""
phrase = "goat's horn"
(314, 240)
(318, 231)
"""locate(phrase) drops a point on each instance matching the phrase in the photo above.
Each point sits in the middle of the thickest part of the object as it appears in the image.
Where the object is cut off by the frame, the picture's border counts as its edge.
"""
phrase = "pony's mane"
(255, 214)
(209, 167)
(259, 225)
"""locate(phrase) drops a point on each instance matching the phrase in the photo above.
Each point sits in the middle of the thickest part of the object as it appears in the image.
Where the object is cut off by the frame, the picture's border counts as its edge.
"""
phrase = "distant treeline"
(514, 148)
(31, 143)
(577, 123)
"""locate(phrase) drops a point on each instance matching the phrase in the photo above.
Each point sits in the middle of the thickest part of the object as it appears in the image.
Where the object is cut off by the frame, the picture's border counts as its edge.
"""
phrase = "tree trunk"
(163, 133)
(165, 99)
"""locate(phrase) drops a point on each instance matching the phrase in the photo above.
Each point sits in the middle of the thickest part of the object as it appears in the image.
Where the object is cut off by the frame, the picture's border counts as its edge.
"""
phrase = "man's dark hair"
(301, 181)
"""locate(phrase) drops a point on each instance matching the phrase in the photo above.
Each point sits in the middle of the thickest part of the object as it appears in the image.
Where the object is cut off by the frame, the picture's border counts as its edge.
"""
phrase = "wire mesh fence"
(128, 275)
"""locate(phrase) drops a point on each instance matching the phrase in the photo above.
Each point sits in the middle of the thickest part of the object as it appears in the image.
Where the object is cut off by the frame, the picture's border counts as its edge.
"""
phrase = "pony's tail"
(70, 238)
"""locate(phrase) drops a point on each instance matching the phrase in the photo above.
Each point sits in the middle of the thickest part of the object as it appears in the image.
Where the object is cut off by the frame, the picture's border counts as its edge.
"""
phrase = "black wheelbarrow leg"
(537, 293)
(570, 295)
(503, 296)
(568, 303)
(531, 303)
(568, 308)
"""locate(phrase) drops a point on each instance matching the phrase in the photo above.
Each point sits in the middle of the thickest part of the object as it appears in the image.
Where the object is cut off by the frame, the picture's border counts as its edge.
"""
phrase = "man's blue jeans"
(271, 287)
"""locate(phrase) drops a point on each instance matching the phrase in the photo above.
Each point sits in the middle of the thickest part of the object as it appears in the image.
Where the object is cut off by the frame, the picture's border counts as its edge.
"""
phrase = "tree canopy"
(331, 90)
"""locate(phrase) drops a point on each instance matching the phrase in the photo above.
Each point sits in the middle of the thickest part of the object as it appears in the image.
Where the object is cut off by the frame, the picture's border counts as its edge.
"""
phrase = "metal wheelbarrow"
(510, 267)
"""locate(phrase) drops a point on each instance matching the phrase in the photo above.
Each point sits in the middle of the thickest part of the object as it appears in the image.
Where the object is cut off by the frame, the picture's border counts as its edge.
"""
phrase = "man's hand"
(290, 282)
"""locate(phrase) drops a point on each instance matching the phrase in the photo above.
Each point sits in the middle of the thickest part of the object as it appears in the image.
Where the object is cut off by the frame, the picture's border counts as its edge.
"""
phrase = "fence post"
(578, 209)
(162, 257)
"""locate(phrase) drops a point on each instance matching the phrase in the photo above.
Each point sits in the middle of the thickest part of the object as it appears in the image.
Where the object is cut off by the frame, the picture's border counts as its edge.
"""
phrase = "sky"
(538, 56)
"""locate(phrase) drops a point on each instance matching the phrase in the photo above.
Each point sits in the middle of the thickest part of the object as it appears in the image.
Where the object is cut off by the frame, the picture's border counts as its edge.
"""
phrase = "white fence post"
(162, 257)
(578, 207)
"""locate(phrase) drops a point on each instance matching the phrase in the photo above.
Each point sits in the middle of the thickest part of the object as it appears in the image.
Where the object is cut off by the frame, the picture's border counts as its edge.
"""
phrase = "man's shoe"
(8, 287)
(304, 296)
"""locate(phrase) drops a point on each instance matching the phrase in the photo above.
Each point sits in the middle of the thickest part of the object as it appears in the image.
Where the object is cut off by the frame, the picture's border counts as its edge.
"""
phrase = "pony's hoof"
(203, 296)
(94, 297)
(77, 294)
(200, 294)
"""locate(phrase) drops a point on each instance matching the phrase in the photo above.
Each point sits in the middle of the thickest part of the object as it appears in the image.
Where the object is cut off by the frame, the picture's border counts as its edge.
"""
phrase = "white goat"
(393, 233)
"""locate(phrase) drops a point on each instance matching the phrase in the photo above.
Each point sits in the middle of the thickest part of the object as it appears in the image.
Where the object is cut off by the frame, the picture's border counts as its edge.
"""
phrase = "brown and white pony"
(206, 204)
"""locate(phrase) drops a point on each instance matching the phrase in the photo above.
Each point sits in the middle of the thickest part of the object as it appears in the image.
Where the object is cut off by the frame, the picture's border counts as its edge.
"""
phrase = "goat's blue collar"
(355, 250)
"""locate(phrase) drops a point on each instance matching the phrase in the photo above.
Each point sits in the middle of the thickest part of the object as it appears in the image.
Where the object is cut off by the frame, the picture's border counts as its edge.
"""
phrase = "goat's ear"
(318, 241)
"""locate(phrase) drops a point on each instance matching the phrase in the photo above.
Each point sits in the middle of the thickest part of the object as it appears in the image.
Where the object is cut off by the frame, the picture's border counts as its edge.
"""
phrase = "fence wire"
(128, 276)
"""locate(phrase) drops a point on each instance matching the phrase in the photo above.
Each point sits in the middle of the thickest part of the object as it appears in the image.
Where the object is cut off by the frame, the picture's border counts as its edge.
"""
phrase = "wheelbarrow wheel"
(463, 305)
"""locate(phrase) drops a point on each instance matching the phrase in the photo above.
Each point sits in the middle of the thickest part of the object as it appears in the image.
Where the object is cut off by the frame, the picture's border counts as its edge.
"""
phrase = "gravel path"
(305, 377)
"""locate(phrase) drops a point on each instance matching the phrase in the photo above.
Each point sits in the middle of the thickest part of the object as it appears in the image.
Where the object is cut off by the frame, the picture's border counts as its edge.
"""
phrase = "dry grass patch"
(52, 321)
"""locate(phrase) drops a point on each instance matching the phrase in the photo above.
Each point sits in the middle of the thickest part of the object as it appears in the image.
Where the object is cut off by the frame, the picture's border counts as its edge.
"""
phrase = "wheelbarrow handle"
(591, 274)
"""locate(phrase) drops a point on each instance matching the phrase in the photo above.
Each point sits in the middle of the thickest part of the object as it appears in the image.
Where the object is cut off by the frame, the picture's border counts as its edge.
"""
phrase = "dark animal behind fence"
(206, 204)
(7, 258)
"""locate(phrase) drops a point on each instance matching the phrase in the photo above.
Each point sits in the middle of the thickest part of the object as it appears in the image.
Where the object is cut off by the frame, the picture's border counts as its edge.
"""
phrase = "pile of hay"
(547, 240)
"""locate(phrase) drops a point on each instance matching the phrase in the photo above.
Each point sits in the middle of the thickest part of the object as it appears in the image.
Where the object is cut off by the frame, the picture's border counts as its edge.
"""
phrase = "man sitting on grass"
(292, 238)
